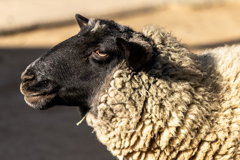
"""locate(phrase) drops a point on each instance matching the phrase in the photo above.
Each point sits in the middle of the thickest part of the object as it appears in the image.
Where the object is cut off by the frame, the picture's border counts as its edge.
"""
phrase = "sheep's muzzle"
(37, 93)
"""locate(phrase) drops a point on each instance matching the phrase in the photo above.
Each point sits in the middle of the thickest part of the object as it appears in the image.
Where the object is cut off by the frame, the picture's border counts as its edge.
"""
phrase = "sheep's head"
(73, 71)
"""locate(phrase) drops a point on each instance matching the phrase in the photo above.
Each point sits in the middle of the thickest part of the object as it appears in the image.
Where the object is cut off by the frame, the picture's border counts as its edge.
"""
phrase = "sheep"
(145, 94)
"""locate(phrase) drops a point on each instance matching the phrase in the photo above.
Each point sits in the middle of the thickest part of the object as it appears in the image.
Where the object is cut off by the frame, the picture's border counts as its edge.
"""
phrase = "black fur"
(73, 72)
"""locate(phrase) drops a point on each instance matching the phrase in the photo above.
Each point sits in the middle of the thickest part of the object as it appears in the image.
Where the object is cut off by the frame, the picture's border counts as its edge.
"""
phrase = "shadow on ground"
(29, 134)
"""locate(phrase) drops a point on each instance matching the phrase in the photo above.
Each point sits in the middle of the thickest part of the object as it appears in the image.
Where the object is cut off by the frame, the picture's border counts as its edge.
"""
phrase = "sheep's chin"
(39, 101)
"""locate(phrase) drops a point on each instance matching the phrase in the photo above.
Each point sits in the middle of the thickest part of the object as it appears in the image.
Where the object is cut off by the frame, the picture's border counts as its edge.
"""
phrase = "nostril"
(28, 76)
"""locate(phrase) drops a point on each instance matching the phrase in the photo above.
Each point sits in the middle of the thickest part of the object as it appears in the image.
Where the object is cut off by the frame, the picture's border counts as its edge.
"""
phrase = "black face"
(73, 71)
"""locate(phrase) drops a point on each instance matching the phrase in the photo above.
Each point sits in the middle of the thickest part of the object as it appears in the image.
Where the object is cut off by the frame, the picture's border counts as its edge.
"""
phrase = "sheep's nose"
(28, 76)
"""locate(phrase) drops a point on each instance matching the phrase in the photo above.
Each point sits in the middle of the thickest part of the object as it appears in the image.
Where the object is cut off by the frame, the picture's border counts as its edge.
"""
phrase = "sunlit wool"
(184, 106)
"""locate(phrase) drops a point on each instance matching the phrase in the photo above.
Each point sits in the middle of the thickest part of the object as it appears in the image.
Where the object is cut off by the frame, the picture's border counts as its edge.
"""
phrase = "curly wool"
(184, 107)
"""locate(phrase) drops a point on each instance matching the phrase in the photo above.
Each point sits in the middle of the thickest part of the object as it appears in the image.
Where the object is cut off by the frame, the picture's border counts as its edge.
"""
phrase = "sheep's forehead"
(97, 24)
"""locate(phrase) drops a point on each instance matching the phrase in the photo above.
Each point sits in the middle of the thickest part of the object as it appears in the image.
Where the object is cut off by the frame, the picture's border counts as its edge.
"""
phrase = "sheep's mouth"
(39, 100)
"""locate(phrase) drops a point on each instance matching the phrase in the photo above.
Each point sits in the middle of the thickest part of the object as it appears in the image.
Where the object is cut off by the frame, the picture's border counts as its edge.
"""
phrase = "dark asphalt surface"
(29, 134)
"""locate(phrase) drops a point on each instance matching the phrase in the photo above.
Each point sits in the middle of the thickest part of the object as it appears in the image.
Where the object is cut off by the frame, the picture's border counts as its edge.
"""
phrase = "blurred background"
(28, 28)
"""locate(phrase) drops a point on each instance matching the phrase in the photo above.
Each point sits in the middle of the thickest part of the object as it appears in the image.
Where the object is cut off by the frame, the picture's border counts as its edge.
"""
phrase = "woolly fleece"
(185, 106)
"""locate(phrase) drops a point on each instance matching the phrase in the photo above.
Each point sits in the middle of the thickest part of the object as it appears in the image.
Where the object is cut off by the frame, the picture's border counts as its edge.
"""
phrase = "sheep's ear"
(82, 21)
(136, 55)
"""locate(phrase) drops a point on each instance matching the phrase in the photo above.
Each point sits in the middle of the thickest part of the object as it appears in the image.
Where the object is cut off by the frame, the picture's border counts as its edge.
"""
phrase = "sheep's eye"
(102, 54)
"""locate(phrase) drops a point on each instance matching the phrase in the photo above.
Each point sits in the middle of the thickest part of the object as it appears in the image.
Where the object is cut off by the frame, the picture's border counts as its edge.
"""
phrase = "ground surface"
(28, 134)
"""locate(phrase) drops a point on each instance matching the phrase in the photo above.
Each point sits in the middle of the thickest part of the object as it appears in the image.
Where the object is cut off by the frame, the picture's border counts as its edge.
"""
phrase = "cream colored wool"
(185, 107)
